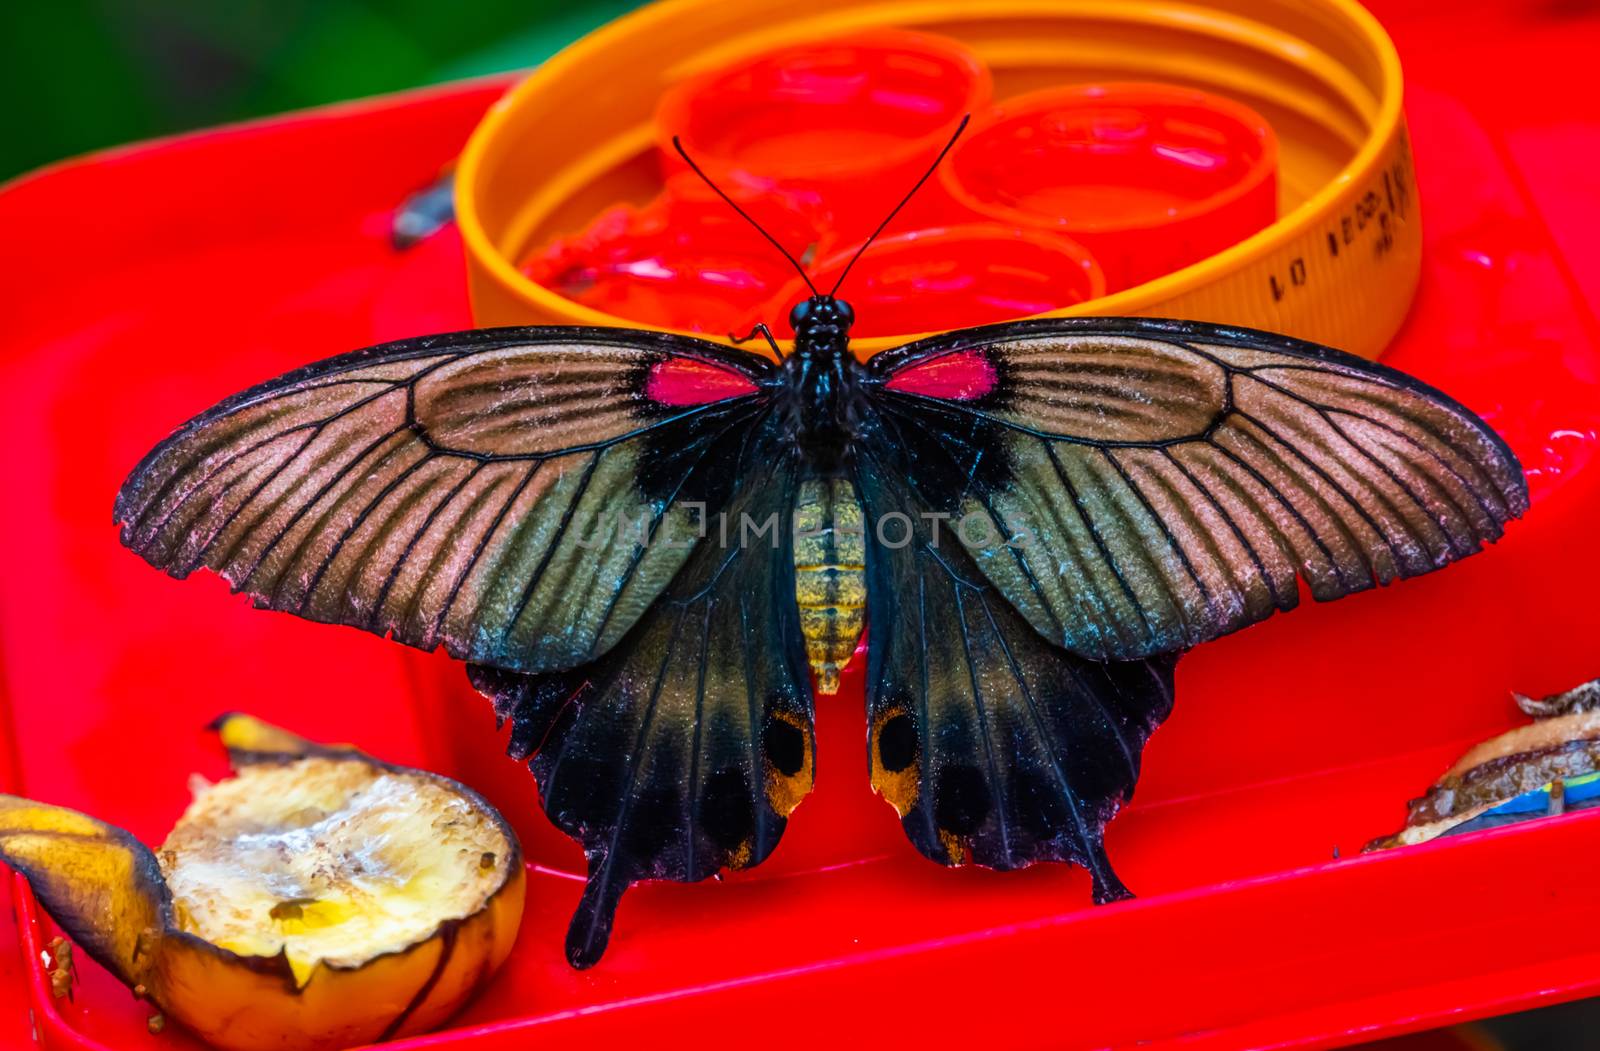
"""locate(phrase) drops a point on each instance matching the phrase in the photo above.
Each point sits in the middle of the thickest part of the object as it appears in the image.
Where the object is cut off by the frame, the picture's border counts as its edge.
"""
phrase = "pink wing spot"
(689, 381)
(964, 375)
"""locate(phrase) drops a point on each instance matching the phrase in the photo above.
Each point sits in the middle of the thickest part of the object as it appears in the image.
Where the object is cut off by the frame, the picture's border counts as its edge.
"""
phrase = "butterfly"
(655, 551)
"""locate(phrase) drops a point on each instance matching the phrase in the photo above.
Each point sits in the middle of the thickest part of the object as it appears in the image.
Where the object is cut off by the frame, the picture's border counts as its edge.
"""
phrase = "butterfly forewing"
(1157, 484)
(502, 493)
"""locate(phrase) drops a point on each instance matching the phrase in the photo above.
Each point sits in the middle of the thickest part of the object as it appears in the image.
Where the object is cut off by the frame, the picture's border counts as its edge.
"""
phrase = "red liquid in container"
(818, 142)
(1149, 177)
(686, 264)
(930, 280)
(854, 119)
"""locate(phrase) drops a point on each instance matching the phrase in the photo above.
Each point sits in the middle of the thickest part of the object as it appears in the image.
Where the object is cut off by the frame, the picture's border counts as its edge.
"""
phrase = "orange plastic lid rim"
(1339, 266)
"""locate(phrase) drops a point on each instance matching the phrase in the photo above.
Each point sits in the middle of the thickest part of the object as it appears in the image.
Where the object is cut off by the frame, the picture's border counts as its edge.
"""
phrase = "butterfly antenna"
(743, 214)
(903, 202)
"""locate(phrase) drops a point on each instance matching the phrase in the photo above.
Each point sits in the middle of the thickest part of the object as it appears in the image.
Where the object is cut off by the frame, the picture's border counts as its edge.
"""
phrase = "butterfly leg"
(761, 329)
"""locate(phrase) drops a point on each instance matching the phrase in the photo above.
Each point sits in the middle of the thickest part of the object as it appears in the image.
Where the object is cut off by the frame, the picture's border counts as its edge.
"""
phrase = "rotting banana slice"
(317, 899)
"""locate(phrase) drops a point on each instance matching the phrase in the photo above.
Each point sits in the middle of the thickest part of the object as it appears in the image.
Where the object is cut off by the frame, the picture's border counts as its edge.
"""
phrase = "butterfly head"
(821, 322)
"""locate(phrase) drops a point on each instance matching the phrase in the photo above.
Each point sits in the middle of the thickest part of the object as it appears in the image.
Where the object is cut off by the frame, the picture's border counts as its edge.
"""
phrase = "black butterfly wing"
(1136, 487)
(995, 746)
(500, 492)
(683, 750)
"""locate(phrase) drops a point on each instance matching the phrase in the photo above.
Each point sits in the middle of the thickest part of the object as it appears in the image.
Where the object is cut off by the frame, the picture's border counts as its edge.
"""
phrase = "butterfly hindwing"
(682, 751)
(495, 492)
(1166, 482)
(995, 746)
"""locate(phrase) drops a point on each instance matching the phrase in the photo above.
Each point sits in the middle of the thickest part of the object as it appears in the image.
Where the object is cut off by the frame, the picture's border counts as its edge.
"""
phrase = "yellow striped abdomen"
(830, 575)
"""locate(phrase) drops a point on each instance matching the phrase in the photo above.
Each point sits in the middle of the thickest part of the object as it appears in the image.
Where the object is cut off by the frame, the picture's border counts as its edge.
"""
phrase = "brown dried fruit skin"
(249, 739)
(1559, 747)
(1536, 737)
(62, 970)
(108, 891)
(1582, 698)
(90, 872)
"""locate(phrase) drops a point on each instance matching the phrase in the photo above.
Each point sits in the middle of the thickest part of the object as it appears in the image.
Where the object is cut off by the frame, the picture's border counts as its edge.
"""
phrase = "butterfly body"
(830, 575)
(823, 383)
(1030, 521)
(823, 395)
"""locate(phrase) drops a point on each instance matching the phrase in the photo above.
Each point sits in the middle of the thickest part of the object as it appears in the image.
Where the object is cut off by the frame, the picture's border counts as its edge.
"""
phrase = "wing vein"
(355, 524)
(978, 706)
(316, 428)
(294, 519)
(300, 512)
(1051, 744)
(477, 552)
(658, 516)
(1294, 512)
(756, 790)
(692, 797)
(635, 761)
(1166, 532)
(421, 531)
(1344, 494)
(556, 537)
(1022, 564)
(1099, 541)
(1401, 484)
(1233, 526)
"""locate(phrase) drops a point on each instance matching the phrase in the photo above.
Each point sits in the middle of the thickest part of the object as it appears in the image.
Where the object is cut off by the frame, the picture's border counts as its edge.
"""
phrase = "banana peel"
(317, 899)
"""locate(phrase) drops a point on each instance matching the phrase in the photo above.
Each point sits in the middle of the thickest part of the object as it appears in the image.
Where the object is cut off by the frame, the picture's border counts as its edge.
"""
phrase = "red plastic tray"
(144, 284)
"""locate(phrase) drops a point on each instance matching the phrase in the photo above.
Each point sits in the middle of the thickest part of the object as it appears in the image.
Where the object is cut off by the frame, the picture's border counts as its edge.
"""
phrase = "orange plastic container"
(1339, 266)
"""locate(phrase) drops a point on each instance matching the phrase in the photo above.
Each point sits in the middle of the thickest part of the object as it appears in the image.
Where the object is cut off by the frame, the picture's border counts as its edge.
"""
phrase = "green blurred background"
(76, 75)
